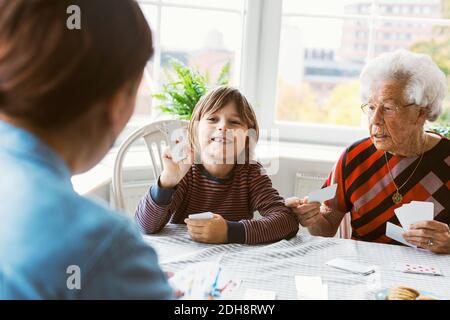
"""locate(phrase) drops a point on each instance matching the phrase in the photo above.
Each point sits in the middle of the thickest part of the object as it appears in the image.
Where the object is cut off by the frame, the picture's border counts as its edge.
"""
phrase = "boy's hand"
(213, 230)
(307, 213)
(173, 172)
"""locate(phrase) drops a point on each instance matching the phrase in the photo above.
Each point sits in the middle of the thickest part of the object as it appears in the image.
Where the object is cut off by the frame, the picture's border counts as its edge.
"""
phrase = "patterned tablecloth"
(274, 266)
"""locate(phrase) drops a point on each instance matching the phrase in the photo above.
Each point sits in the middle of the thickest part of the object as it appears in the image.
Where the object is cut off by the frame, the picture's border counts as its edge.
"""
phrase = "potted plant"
(183, 90)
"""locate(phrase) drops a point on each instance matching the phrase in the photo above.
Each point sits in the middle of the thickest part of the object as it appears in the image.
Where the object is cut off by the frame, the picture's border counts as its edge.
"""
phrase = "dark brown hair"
(50, 75)
(215, 100)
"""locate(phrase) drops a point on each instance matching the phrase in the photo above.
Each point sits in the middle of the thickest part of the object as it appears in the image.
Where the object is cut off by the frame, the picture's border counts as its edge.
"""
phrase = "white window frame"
(256, 65)
(265, 86)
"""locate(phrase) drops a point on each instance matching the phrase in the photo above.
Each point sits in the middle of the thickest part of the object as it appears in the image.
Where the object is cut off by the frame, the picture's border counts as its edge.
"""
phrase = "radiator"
(133, 192)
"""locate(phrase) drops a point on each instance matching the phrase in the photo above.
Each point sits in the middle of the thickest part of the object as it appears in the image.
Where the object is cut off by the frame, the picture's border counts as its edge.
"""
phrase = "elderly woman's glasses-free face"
(387, 111)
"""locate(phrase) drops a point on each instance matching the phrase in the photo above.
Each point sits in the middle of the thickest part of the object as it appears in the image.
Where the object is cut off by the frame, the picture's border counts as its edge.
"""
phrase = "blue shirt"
(55, 244)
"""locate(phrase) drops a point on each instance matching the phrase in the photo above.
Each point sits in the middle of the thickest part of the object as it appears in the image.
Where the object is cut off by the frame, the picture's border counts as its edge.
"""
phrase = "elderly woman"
(399, 162)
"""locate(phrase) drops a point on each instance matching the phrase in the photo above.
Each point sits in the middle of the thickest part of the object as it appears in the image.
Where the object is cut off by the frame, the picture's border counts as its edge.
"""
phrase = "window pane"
(318, 73)
(207, 40)
(411, 8)
(227, 4)
(337, 7)
(144, 96)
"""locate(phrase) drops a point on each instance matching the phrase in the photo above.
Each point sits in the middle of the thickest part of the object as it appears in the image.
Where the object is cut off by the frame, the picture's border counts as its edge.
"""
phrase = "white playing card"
(404, 216)
(395, 232)
(201, 216)
(417, 268)
(414, 212)
(177, 138)
(311, 288)
(255, 294)
(351, 266)
(322, 195)
(422, 210)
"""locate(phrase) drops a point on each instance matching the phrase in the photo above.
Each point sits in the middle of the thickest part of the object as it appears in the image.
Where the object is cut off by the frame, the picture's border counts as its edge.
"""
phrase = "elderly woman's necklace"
(397, 196)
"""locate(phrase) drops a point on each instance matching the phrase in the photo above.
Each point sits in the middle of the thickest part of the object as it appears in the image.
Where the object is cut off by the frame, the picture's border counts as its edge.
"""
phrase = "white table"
(274, 266)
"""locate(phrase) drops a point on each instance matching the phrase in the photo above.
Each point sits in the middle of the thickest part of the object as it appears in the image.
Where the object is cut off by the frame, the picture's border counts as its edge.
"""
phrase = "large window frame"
(257, 64)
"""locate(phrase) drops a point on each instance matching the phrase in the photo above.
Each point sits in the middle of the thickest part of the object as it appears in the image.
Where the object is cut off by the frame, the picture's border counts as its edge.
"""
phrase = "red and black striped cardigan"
(365, 187)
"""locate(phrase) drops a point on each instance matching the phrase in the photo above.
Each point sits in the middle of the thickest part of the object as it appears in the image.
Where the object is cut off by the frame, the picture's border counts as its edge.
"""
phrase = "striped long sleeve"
(235, 198)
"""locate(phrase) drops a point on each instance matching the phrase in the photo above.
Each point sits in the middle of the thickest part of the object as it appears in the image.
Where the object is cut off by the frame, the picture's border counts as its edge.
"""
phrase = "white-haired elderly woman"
(400, 162)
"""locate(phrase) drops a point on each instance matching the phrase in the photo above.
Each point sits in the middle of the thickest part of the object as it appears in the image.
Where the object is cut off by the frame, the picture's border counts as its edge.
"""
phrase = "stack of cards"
(311, 288)
(351, 266)
(409, 214)
(324, 194)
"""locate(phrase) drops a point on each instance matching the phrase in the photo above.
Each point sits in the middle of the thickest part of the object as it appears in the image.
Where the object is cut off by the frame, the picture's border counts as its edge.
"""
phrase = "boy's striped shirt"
(235, 198)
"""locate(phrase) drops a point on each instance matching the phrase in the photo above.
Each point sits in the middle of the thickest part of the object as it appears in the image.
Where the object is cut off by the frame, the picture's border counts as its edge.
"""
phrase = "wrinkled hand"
(420, 233)
(213, 230)
(307, 213)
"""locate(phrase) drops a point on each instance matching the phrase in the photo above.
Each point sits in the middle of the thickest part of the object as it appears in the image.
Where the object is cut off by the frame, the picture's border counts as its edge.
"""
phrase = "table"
(274, 266)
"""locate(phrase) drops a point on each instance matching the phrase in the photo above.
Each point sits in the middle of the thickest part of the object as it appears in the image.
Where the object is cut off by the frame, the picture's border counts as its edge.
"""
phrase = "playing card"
(322, 195)
(201, 216)
(417, 268)
(351, 266)
(395, 232)
(311, 287)
(414, 212)
(422, 210)
(255, 294)
(404, 217)
(177, 138)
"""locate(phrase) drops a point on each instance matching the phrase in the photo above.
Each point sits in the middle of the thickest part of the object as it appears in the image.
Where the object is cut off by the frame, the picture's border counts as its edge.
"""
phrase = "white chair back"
(155, 139)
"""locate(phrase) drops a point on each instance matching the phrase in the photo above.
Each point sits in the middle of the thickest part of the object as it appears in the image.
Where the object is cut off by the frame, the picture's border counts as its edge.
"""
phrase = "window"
(298, 64)
(204, 34)
(313, 93)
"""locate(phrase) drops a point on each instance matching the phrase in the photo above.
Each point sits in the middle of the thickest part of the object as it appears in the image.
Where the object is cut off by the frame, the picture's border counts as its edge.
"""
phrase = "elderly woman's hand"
(307, 213)
(432, 235)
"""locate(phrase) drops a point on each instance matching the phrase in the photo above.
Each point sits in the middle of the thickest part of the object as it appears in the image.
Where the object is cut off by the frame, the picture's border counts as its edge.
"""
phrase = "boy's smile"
(222, 135)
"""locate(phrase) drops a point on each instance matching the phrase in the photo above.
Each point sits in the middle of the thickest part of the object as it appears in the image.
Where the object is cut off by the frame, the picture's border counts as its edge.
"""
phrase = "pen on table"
(214, 286)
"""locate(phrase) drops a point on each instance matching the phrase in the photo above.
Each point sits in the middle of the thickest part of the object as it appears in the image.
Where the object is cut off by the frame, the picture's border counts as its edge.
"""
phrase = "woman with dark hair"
(65, 95)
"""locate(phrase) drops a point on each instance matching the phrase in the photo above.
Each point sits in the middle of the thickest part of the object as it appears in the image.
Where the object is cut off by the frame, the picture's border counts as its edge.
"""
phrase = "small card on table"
(351, 266)
(255, 294)
(417, 268)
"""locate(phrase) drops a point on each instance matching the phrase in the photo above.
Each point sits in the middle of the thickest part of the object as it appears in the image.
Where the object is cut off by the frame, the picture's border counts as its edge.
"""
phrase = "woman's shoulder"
(360, 145)
(441, 147)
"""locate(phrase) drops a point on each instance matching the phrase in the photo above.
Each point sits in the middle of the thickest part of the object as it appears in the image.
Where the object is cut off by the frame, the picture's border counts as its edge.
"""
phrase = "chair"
(155, 139)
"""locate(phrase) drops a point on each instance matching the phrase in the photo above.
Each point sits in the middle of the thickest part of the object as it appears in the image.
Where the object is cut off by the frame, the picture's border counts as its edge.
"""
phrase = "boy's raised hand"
(213, 230)
(173, 172)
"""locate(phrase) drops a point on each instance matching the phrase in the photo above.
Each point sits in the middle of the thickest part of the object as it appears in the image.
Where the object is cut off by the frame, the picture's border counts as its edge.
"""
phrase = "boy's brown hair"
(215, 100)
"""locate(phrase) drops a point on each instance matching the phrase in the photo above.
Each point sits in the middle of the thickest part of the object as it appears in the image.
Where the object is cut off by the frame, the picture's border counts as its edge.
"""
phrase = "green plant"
(182, 92)
(443, 130)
